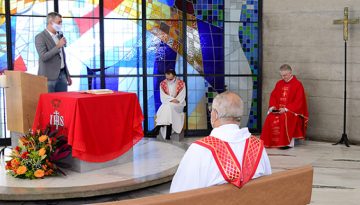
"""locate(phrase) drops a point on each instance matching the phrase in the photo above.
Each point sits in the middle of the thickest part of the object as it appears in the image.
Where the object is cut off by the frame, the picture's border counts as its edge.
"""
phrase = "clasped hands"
(277, 111)
(175, 101)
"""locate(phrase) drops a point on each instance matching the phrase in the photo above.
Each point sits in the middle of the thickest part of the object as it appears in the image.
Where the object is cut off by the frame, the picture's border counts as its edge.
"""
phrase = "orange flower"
(23, 141)
(42, 151)
(49, 172)
(39, 173)
(42, 138)
(15, 163)
(44, 167)
(21, 170)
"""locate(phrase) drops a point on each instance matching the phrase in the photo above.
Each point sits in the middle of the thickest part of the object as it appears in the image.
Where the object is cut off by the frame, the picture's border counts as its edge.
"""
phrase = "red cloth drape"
(279, 129)
(98, 127)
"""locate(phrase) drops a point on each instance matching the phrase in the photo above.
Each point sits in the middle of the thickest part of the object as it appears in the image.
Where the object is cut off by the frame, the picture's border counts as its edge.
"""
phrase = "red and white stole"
(179, 86)
(227, 162)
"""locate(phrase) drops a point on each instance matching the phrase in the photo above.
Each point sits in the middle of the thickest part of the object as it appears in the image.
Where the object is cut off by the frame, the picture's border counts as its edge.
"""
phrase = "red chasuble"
(179, 86)
(279, 129)
(227, 162)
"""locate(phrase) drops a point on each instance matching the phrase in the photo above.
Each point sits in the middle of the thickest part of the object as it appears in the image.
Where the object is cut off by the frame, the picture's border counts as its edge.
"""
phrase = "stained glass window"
(3, 64)
(3, 49)
(2, 9)
(79, 8)
(217, 49)
(35, 7)
(129, 9)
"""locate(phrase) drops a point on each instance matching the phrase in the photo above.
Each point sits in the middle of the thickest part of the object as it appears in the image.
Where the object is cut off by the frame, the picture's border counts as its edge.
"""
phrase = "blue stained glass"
(218, 40)
(209, 54)
(167, 2)
(3, 55)
(219, 53)
(218, 66)
(203, 27)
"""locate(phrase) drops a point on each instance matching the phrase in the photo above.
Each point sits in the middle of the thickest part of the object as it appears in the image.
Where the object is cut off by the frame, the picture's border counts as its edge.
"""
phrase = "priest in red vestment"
(288, 114)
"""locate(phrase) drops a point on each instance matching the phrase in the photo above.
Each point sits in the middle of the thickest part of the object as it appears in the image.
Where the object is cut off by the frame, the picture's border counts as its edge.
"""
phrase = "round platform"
(154, 163)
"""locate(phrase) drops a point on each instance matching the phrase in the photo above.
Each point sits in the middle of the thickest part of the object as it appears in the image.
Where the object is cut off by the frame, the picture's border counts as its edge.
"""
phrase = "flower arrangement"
(38, 155)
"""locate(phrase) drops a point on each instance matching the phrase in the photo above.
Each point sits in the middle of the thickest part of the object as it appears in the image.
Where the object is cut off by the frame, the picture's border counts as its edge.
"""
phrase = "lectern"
(22, 97)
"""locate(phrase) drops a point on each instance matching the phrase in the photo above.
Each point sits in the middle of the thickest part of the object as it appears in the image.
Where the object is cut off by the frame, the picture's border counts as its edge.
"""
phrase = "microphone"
(60, 35)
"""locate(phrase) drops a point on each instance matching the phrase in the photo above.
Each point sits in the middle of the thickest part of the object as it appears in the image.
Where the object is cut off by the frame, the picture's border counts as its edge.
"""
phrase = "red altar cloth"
(98, 127)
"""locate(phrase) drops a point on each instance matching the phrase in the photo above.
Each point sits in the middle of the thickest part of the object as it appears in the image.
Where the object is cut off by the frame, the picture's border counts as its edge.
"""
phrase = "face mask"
(56, 27)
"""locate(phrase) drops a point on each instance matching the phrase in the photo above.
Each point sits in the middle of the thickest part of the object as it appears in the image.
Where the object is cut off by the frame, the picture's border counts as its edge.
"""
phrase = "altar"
(99, 128)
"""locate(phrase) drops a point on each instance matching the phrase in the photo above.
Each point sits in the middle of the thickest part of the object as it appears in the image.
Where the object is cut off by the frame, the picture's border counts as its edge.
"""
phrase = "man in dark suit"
(52, 61)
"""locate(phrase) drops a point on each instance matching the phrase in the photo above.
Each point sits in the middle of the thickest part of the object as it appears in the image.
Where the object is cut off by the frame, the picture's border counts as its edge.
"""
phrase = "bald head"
(229, 108)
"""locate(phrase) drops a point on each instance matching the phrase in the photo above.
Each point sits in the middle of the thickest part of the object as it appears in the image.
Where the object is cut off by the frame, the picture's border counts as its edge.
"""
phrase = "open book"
(99, 91)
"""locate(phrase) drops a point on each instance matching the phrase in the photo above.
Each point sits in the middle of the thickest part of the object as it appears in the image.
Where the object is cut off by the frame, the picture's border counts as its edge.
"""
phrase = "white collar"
(231, 133)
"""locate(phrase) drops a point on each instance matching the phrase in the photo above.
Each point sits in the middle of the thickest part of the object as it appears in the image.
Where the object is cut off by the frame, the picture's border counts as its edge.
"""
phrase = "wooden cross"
(346, 21)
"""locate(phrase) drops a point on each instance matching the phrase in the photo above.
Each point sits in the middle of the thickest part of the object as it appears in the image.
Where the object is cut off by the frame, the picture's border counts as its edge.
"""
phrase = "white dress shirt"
(198, 168)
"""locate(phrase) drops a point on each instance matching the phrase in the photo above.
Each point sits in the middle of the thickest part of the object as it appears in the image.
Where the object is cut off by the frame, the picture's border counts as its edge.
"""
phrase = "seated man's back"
(209, 161)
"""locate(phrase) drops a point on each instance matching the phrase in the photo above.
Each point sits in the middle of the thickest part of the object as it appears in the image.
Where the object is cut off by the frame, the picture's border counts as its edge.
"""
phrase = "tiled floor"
(336, 176)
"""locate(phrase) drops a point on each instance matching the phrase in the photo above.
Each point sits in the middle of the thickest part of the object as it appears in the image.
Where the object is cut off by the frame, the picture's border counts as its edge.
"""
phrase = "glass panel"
(210, 11)
(123, 48)
(3, 66)
(83, 50)
(250, 11)
(200, 94)
(247, 88)
(2, 8)
(24, 29)
(164, 47)
(35, 7)
(84, 81)
(248, 36)
(163, 9)
(3, 54)
(241, 48)
(153, 99)
(247, 11)
(130, 9)
(208, 56)
(79, 8)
